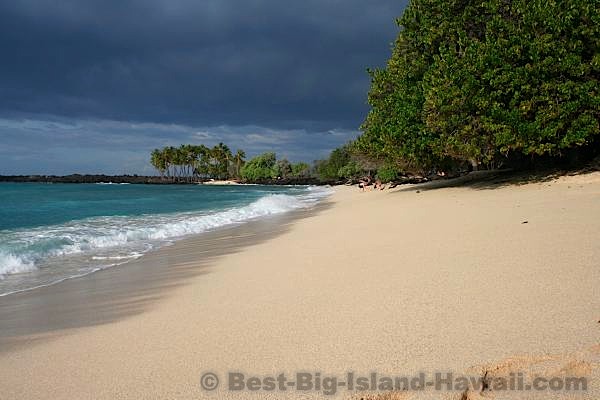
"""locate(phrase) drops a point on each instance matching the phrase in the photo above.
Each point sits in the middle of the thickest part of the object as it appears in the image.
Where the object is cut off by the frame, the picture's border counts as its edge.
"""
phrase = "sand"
(220, 182)
(475, 278)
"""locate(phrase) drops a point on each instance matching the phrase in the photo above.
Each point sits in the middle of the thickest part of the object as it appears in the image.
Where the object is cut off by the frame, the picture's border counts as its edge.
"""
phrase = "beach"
(491, 277)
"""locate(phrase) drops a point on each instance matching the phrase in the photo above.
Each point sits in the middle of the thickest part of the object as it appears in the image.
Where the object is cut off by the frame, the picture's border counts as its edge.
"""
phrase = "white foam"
(106, 238)
(125, 257)
(11, 264)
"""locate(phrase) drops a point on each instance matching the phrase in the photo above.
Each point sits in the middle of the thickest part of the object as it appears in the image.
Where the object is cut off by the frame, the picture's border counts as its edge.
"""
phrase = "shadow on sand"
(129, 289)
(486, 180)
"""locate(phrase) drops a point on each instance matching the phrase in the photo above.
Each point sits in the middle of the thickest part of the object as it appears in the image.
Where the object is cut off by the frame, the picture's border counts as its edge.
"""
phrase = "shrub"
(260, 167)
(387, 173)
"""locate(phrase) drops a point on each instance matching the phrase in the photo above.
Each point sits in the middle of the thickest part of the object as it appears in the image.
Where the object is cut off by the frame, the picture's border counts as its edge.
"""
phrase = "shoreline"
(63, 244)
(435, 277)
(70, 300)
(149, 180)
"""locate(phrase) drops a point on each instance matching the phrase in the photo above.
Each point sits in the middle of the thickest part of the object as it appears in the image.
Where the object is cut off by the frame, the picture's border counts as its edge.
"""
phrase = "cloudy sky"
(92, 86)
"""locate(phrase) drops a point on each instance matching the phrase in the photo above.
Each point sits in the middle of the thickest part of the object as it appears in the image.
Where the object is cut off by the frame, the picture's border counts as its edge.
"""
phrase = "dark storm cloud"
(231, 68)
(267, 62)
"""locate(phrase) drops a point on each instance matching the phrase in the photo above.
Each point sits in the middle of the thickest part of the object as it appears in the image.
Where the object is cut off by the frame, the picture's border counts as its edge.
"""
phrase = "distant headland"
(143, 179)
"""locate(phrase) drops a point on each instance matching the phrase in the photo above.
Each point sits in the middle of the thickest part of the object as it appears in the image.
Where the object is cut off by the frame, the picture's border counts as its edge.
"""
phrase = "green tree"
(220, 156)
(329, 169)
(158, 161)
(300, 170)
(283, 168)
(170, 161)
(476, 81)
(350, 171)
(201, 161)
(238, 163)
(387, 173)
(261, 167)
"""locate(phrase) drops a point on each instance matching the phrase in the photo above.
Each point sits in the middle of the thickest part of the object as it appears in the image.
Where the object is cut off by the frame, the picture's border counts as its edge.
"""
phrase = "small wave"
(103, 239)
(59, 280)
(11, 264)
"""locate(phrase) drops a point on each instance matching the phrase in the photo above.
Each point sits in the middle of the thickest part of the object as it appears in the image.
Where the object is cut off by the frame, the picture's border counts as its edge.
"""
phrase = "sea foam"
(11, 264)
(95, 241)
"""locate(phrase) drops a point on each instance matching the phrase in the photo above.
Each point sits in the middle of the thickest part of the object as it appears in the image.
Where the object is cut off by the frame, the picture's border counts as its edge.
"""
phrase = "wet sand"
(491, 278)
(126, 290)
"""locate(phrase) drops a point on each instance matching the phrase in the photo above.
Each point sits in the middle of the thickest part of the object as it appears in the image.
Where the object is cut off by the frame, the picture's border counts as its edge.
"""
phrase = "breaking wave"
(91, 243)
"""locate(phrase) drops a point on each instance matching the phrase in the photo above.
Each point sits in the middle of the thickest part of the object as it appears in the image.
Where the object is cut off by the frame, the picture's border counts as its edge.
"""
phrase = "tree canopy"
(468, 84)
(477, 81)
(260, 167)
(190, 163)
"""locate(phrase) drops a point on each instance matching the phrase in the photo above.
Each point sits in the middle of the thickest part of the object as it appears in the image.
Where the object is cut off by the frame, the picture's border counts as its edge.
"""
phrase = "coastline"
(45, 239)
(149, 180)
(419, 278)
(130, 288)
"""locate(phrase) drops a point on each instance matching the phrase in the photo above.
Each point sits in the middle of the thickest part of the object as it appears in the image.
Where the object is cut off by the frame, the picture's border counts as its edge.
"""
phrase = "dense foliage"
(190, 163)
(266, 166)
(334, 167)
(261, 167)
(469, 84)
(479, 81)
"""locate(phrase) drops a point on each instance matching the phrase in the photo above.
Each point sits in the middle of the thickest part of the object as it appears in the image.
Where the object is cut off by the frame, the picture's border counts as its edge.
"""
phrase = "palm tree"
(188, 162)
(170, 154)
(187, 158)
(238, 163)
(220, 157)
(202, 162)
(158, 161)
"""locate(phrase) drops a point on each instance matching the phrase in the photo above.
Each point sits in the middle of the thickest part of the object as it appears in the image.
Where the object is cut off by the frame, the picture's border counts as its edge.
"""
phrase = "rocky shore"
(139, 179)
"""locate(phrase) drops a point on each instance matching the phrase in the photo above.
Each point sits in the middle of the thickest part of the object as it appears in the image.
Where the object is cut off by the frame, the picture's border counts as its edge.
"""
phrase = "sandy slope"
(395, 282)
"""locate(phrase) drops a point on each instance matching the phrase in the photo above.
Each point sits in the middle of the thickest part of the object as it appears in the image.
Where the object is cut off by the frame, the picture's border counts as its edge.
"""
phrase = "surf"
(43, 255)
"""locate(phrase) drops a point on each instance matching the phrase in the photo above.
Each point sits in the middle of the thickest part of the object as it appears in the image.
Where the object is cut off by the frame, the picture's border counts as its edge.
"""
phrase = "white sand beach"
(491, 277)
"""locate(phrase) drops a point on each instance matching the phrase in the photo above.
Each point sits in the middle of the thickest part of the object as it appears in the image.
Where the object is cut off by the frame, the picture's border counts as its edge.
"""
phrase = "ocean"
(53, 232)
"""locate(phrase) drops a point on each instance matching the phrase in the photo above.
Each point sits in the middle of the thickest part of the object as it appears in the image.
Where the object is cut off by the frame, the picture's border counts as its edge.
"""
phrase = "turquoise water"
(52, 232)
(30, 204)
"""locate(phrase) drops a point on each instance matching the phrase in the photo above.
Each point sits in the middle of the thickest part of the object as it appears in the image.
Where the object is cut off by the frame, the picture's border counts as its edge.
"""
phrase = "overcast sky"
(91, 86)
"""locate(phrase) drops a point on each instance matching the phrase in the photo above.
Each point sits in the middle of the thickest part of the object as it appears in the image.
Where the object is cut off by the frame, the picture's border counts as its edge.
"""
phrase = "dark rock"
(137, 179)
